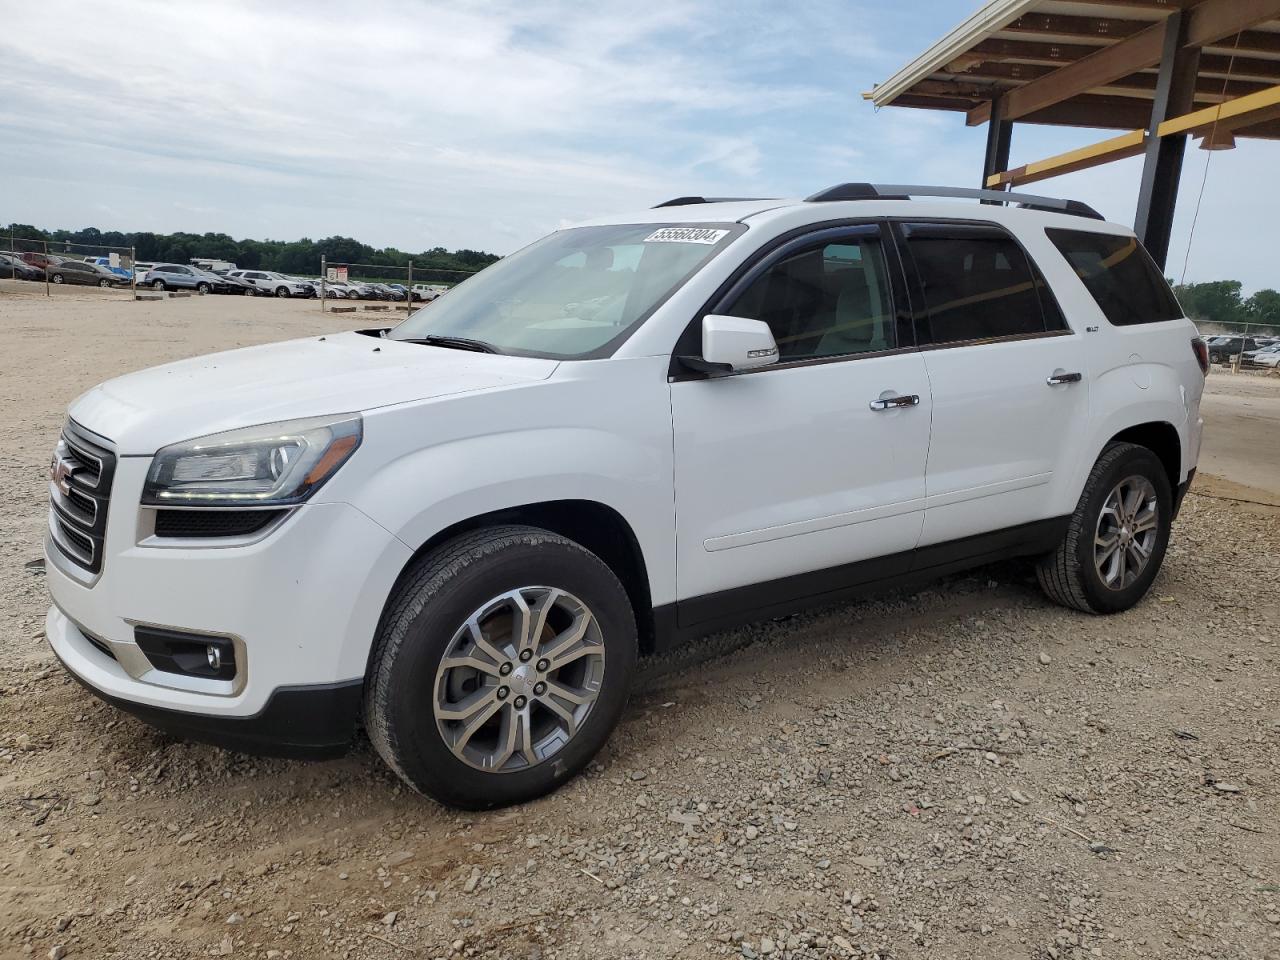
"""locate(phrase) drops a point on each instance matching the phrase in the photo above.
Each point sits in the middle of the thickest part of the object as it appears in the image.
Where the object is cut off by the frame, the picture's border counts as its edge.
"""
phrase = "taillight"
(1201, 350)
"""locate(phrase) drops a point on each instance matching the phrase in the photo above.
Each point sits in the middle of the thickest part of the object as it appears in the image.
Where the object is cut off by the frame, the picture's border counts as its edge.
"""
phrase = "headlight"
(275, 464)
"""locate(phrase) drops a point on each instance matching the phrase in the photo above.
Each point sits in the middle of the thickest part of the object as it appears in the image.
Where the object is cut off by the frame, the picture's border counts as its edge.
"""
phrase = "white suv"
(267, 284)
(466, 528)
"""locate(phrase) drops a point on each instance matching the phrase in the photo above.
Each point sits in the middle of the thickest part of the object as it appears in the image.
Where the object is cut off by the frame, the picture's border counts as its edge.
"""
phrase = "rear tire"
(1117, 536)
(430, 678)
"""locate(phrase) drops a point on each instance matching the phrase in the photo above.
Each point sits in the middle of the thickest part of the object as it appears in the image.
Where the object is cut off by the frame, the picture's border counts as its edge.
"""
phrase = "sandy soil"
(962, 772)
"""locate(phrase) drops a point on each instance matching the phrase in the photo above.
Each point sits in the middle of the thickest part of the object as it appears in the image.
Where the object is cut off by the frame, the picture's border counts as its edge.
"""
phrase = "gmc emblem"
(60, 471)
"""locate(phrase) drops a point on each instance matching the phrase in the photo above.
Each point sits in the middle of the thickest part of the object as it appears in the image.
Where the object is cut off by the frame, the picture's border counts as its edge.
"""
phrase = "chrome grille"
(80, 476)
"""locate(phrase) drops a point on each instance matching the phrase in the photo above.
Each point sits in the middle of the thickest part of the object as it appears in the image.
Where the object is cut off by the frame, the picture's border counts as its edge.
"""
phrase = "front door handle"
(1060, 378)
(891, 403)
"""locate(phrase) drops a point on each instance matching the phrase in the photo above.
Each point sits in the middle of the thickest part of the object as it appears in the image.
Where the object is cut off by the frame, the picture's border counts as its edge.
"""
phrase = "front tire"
(1117, 537)
(282, 291)
(105, 284)
(56, 278)
(501, 666)
(203, 288)
(157, 285)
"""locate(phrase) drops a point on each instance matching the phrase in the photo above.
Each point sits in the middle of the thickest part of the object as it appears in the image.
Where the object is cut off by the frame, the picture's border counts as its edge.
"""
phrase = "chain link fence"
(29, 265)
(341, 285)
(1235, 346)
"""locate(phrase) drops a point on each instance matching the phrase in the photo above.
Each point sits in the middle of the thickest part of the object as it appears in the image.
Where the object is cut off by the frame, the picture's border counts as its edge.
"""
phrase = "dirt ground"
(966, 771)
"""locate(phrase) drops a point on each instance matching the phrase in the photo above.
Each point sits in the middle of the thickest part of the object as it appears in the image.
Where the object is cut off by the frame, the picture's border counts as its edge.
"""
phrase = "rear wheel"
(1116, 539)
(501, 666)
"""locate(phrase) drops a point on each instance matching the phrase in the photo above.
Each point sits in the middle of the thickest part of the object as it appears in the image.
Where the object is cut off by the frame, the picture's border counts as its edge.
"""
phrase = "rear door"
(1009, 381)
(790, 478)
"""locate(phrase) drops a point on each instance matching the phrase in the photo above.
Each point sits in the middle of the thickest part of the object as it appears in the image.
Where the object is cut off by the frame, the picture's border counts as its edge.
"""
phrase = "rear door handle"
(891, 403)
(1060, 378)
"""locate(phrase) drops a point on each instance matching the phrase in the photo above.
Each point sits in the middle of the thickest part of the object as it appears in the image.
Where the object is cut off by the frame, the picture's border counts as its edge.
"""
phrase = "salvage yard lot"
(966, 771)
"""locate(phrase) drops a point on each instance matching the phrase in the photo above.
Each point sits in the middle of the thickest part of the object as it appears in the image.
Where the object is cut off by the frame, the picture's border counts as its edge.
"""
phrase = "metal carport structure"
(1160, 70)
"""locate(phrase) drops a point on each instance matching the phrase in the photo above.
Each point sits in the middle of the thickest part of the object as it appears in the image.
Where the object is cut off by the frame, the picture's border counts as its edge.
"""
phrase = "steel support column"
(1175, 95)
(999, 136)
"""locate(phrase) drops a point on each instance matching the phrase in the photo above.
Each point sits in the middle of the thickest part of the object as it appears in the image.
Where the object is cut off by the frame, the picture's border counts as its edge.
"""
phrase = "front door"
(790, 477)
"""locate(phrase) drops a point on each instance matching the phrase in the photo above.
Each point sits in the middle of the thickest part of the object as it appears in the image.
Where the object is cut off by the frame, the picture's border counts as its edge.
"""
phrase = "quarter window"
(977, 284)
(1119, 275)
(826, 300)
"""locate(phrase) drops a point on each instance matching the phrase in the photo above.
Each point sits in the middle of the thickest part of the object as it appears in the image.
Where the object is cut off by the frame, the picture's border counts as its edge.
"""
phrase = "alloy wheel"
(518, 679)
(1127, 530)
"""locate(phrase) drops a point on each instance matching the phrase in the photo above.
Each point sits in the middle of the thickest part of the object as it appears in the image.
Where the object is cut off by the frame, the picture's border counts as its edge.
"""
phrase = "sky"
(488, 124)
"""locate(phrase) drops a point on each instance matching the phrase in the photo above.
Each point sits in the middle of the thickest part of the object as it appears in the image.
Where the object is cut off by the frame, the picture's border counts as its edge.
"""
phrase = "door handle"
(1061, 378)
(892, 403)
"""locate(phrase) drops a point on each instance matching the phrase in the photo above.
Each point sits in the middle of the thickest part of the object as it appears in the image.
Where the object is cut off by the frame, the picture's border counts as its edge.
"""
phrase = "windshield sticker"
(685, 235)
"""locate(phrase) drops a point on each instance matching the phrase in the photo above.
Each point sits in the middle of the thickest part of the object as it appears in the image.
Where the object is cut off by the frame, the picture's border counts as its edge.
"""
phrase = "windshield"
(575, 294)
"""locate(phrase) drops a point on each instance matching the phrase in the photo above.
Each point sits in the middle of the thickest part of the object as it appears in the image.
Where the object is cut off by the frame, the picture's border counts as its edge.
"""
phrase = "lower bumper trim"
(316, 721)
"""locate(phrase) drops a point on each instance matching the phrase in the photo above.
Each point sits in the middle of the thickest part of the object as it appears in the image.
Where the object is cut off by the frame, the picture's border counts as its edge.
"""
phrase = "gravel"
(962, 772)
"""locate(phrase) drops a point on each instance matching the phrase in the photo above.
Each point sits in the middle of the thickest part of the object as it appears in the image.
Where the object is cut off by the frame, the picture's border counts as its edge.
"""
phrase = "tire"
(158, 285)
(282, 291)
(56, 278)
(409, 681)
(250, 292)
(1076, 573)
(105, 284)
(203, 288)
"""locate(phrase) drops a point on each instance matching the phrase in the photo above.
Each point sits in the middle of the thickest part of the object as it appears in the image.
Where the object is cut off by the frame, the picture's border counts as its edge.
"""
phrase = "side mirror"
(733, 343)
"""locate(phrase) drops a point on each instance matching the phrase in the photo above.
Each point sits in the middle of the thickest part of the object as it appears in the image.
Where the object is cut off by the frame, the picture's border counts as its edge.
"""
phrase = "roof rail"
(686, 201)
(880, 191)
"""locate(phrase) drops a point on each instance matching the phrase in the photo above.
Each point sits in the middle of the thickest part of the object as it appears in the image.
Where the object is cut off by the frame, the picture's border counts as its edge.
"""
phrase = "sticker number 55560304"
(685, 235)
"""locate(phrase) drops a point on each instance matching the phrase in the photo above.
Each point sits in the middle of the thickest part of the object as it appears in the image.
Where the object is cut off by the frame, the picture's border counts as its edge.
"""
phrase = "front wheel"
(105, 284)
(203, 288)
(250, 292)
(56, 278)
(502, 665)
(282, 291)
(157, 285)
(1116, 539)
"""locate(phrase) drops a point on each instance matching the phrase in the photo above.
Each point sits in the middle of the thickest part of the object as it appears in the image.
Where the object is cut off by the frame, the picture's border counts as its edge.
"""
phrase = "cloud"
(418, 124)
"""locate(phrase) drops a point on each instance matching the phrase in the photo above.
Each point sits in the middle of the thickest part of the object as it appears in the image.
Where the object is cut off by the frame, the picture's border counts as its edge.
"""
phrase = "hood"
(339, 373)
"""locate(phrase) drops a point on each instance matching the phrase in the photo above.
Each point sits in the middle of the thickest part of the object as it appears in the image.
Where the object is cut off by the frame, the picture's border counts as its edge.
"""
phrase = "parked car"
(465, 528)
(267, 283)
(1262, 357)
(140, 272)
(123, 272)
(387, 292)
(426, 292)
(176, 276)
(1223, 349)
(87, 274)
(42, 260)
(13, 267)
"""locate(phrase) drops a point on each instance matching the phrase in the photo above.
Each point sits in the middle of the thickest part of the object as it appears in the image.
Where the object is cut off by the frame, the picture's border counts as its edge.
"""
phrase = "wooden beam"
(1108, 63)
(1102, 28)
(1026, 53)
(1209, 89)
(1214, 20)
(1207, 22)
(1126, 145)
(1166, 5)
(1256, 108)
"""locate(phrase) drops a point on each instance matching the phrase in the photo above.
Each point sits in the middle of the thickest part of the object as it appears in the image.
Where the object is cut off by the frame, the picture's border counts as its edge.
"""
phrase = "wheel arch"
(594, 525)
(1162, 439)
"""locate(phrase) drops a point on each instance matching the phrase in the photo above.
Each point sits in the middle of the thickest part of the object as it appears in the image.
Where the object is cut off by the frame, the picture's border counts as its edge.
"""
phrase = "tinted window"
(1119, 274)
(977, 284)
(825, 300)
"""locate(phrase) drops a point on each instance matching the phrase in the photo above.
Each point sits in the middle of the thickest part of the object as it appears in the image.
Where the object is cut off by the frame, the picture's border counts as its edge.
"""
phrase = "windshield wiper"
(454, 343)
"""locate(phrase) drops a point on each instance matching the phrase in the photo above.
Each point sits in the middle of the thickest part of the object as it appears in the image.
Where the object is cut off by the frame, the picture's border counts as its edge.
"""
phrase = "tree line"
(1223, 301)
(286, 256)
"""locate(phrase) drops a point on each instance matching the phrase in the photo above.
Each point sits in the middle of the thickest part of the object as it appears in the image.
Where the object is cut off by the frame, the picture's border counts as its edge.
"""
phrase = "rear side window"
(976, 281)
(1120, 276)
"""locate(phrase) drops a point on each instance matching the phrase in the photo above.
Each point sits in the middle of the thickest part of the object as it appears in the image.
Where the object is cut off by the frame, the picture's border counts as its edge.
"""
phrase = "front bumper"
(301, 604)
